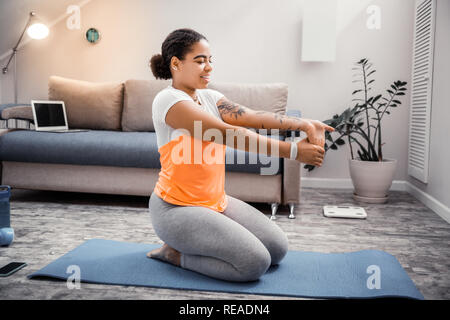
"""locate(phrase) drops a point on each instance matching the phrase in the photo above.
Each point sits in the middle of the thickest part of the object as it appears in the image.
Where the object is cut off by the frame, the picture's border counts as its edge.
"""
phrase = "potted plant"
(370, 172)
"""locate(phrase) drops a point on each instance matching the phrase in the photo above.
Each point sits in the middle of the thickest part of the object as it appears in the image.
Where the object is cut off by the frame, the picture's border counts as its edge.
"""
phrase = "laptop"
(51, 116)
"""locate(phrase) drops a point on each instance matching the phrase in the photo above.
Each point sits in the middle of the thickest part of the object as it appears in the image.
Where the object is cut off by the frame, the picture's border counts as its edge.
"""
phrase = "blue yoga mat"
(361, 274)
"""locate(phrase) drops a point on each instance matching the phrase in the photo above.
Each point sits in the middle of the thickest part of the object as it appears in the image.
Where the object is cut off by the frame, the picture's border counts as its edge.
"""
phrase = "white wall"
(253, 41)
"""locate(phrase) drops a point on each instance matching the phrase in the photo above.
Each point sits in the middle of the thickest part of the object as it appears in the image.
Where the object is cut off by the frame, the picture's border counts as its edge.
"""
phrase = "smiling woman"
(189, 209)
(179, 61)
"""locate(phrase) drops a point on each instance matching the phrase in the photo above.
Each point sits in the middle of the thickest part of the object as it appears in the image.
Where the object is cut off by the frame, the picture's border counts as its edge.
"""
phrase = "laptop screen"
(49, 114)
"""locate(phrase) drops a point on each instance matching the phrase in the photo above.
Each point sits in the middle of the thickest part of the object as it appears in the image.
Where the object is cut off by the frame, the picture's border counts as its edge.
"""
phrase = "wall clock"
(92, 35)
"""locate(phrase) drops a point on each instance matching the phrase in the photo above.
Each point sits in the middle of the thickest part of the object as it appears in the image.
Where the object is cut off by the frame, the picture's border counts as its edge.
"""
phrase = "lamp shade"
(37, 31)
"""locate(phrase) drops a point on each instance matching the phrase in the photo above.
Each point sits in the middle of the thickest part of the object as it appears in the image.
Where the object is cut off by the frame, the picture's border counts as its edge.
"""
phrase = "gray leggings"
(238, 245)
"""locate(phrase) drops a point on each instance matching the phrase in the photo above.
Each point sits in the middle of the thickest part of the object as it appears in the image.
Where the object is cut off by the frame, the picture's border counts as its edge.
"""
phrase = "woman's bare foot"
(166, 254)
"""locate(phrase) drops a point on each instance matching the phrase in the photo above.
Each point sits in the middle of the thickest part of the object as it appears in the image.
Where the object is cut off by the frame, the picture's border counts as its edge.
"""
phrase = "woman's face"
(195, 70)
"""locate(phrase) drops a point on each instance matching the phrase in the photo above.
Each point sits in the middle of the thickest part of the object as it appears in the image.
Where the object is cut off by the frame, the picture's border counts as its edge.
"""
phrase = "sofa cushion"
(94, 147)
(139, 95)
(137, 105)
(89, 105)
(270, 97)
(109, 148)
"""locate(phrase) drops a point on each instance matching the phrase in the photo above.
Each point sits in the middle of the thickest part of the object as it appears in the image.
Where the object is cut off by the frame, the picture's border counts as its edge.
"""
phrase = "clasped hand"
(311, 149)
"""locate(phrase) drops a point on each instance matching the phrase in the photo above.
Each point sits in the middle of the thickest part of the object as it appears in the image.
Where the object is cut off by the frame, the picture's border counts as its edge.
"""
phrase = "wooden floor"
(49, 224)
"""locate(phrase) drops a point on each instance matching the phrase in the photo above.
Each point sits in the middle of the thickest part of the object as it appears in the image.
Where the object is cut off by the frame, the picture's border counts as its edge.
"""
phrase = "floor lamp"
(36, 30)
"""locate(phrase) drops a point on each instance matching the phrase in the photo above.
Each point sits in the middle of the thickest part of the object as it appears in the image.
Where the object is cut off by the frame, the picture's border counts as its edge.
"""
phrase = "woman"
(204, 229)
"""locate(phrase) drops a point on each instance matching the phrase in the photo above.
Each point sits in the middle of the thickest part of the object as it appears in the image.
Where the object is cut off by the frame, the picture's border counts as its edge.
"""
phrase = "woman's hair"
(177, 44)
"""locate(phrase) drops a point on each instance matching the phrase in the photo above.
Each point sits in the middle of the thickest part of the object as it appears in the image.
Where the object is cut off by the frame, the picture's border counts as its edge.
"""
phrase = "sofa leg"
(291, 210)
(274, 211)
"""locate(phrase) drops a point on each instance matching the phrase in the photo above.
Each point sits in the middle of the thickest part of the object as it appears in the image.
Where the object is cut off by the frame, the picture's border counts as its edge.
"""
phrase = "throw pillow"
(137, 106)
(89, 105)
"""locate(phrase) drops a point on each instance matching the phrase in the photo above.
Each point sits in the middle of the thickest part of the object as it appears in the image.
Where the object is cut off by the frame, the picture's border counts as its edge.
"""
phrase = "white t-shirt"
(167, 97)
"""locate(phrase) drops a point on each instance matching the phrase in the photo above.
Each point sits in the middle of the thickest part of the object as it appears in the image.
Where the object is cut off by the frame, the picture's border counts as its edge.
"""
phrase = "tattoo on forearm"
(228, 108)
(233, 109)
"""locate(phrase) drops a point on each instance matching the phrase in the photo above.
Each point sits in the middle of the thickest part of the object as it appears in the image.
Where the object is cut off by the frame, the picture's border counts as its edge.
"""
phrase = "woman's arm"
(239, 115)
(186, 115)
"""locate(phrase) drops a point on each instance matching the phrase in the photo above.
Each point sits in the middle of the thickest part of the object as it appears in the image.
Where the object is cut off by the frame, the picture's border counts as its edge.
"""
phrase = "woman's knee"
(256, 264)
(278, 247)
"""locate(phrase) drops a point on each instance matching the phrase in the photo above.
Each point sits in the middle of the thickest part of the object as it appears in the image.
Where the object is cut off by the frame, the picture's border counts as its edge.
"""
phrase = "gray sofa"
(119, 154)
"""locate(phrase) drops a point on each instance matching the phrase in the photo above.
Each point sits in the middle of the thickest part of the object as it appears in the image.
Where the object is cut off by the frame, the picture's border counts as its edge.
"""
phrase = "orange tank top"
(195, 177)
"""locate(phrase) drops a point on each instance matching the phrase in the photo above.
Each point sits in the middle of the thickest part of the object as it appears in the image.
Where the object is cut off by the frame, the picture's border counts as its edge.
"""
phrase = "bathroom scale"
(344, 212)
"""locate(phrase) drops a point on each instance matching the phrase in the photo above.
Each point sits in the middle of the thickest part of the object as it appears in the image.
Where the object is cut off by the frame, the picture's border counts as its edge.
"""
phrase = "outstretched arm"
(239, 115)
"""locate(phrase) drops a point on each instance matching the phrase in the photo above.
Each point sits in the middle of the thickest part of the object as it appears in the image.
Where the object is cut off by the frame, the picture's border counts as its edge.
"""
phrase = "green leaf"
(333, 146)
(340, 141)
(396, 101)
(400, 93)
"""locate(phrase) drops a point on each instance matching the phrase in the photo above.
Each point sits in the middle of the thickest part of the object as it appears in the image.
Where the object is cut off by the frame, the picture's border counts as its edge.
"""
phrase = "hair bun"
(159, 69)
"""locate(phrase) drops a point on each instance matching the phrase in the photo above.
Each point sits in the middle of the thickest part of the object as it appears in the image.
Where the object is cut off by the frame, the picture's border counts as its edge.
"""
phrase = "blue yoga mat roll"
(361, 274)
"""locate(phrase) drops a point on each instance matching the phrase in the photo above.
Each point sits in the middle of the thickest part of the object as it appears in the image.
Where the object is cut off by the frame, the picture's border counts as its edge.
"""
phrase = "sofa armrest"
(14, 123)
(291, 181)
(294, 113)
(10, 105)
(292, 169)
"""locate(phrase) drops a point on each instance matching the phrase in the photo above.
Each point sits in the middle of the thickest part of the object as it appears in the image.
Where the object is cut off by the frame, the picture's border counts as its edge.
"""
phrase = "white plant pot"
(372, 179)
